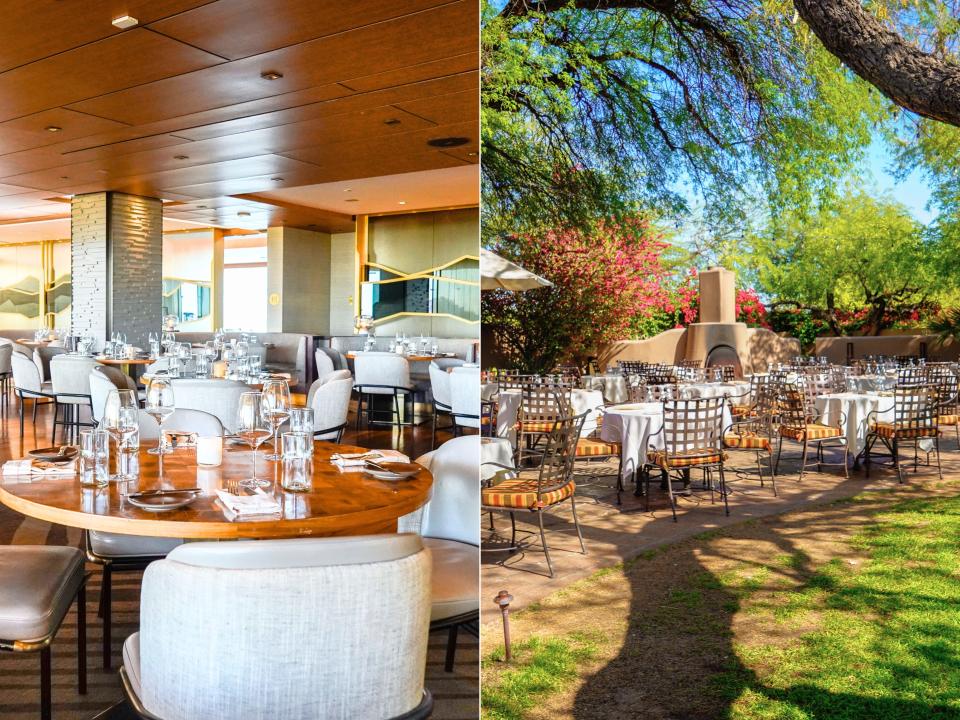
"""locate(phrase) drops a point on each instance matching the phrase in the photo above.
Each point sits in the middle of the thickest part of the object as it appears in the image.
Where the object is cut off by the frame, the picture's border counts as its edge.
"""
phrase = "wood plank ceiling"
(181, 106)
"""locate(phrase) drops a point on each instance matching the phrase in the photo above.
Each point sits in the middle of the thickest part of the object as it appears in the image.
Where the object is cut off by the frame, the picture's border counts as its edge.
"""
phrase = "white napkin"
(245, 505)
(26, 466)
(345, 460)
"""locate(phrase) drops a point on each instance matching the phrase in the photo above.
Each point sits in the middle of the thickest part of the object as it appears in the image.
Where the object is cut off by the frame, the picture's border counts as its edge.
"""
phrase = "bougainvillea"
(602, 280)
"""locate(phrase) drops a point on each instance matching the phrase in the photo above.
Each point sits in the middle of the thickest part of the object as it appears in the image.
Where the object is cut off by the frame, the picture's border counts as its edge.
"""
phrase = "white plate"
(163, 503)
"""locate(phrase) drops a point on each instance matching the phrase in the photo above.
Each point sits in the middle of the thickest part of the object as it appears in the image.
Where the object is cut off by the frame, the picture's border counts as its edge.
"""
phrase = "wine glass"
(210, 350)
(276, 410)
(253, 429)
(168, 340)
(159, 406)
(120, 419)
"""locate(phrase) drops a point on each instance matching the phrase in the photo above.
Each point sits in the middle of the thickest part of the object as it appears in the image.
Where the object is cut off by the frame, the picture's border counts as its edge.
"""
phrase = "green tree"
(867, 255)
(590, 109)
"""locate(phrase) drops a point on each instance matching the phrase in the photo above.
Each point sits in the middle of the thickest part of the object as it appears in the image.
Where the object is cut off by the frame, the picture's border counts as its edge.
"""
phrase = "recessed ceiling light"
(201, 207)
(64, 177)
(401, 202)
(448, 142)
(276, 179)
(348, 189)
(391, 121)
(53, 128)
(271, 75)
(351, 200)
(124, 21)
(243, 213)
(471, 154)
(181, 157)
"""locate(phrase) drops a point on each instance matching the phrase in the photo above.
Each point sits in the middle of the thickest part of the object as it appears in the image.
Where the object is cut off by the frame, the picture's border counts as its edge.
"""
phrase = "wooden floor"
(456, 694)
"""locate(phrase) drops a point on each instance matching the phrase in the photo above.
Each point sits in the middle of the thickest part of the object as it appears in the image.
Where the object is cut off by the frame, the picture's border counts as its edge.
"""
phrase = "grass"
(540, 667)
(864, 627)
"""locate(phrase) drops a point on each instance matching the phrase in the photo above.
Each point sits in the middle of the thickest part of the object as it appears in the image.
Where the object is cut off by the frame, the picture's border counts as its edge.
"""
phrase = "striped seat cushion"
(949, 419)
(522, 494)
(590, 447)
(814, 431)
(888, 430)
(704, 457)
(535, 426)
(740, 410)
(747, 441)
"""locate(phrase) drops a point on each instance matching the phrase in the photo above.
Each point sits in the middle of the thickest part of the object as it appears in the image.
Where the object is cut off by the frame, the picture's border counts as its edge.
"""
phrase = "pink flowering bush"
(602, 281)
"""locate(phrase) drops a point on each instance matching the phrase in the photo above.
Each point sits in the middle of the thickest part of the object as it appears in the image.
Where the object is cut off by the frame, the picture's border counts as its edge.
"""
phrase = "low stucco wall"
(767, 349)
(836, 348)
(667, 347)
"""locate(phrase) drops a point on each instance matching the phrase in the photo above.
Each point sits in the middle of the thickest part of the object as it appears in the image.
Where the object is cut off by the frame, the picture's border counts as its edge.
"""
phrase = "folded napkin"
(345, 460)
(246, 505)
(29, 466)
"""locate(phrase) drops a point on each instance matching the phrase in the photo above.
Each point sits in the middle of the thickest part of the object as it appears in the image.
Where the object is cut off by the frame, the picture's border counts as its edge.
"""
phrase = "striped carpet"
(456, 694)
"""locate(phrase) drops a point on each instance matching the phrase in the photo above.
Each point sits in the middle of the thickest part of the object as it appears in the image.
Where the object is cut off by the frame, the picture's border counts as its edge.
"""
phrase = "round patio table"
(852, 410)
(339, 502)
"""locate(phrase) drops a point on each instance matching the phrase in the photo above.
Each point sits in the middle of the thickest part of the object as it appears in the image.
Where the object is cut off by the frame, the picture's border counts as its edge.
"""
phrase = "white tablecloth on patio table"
(856, 407)
(497, 450)
(737, 390)
(868, 383)
(613, 386)
(508, 406)
(636, 427)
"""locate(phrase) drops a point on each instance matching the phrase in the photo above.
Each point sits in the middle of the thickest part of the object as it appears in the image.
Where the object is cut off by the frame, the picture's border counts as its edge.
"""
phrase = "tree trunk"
(918, 81)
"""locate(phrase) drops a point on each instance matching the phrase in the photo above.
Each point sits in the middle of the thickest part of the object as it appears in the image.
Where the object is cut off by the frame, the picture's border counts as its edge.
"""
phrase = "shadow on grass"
(854, 640)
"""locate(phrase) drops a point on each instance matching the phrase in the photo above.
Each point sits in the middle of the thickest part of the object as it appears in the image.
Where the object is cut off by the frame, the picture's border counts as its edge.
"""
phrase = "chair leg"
(451, 648)
(433, 437)
(803, 460)
(106, 591)
(779, 451)
(35, 411)
(936, 445)
(773, 475)
(543, 541)
(723, 491)
(56, 413)
(896, 460)
(20, 405)
(45, 698)
(82, 639)
(576, 523)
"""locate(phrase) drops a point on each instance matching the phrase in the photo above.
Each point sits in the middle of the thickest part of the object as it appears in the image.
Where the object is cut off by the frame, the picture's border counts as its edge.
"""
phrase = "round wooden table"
(340, 503)
(32, 343)
(125, 363)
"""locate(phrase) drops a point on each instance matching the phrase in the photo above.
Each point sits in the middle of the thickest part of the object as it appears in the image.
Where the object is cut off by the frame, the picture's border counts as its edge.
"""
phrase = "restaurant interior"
(239, 336)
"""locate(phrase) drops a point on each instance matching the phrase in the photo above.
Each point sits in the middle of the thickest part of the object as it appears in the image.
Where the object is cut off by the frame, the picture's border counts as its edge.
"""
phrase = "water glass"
(297, 445)
(202, 365)
(94, 458)
(297, 474)
(301, 420)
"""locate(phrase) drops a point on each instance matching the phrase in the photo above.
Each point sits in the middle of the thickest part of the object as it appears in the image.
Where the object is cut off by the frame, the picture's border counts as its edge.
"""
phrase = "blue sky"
(912, 191)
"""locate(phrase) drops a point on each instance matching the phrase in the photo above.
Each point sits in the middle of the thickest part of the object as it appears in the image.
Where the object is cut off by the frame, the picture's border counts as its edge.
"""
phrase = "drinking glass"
(242, 349)
(120, 421)
(297, 445)
(168, 340)
(159, 405)
(276, 410)
(202, 365)
(211, 351)
(252, 428)
(301, 420)
(297, 474)
(94, 458)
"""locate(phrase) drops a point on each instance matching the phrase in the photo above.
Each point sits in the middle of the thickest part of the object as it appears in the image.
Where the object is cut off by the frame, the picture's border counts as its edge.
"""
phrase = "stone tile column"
(116, 265)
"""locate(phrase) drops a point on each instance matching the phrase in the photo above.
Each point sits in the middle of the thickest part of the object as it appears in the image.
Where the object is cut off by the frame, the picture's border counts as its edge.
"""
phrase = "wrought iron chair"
(632, 367)
(944, 379)
(748, 400)
(911, 375)
(691, 440)
(915, 418)
(798, 422)
(754, 431)
(553, 484)
(540, 406)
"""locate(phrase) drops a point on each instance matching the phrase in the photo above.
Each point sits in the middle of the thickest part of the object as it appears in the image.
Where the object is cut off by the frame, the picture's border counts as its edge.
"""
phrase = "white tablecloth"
(737, 390)
(636, 427)
(613, 387)
(867, 383)
(580, 401)
(498, 450)
(856, 407)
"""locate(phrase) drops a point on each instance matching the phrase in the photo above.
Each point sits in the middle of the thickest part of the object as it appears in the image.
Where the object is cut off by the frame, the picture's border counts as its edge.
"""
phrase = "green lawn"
(871, 638)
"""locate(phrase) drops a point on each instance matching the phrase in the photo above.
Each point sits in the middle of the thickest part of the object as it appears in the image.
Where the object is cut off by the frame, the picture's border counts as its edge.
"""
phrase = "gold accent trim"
(423, 274)
(425, 314)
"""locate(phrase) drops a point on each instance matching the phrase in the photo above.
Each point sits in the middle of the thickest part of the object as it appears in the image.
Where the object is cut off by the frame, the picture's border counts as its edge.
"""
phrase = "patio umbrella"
(497, 272)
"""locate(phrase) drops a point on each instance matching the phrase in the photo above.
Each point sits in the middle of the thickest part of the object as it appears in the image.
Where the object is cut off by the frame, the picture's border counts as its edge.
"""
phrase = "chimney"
(718, 296)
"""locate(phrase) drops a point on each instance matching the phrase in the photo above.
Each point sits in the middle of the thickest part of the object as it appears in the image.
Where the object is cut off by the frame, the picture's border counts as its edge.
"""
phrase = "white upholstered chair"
(442, 400)
(330, 628)
(330, 400)
(6, 370)
(465, 397)
(382, 373)
(323, 363)
(70, 382)
(117, 553)
(217, 397)
(28, 384)
(448, 523)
